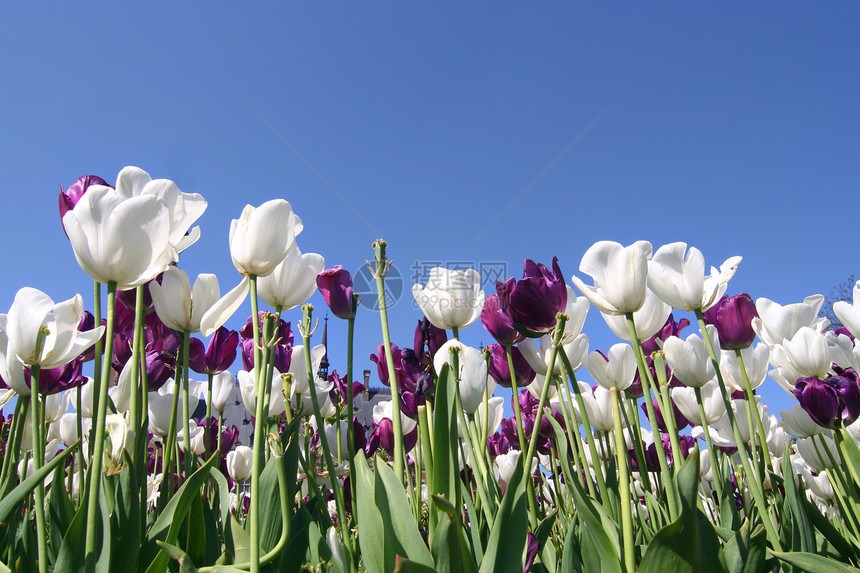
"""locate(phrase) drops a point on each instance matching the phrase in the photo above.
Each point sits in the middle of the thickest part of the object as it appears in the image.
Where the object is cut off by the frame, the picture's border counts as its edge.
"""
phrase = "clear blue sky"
(457, 133)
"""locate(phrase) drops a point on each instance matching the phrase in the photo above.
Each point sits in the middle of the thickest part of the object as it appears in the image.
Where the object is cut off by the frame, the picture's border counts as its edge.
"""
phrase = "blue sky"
(480, 132)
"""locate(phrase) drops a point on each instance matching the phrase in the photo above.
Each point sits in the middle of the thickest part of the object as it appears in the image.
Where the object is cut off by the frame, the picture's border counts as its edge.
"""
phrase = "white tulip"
(239, 463)
(616, 370)
(451, 298)
(849, 314)
(619, 274)
(678, 277)
(293, 280)
(472, 376)
(179, 305)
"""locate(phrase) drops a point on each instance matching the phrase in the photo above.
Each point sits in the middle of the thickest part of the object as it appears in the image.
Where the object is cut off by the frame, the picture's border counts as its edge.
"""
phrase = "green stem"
(134, 397)
(517, 414)
(338, 491)
(557, 333)
(748, 393)
(586, 424)
(350, 408)
(95, 470)
(752, 479)
(668, 408)
(208, 427)
(38, 440)
(259, 431)
(623, 484)
(186, 406)
(379, 272)
(645, 378)
(13, 444)
(716, 465)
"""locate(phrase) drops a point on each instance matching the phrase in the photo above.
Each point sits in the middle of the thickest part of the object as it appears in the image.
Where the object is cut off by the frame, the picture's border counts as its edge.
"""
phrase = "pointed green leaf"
(394, 508)
(16, 498)
(508, 536)
(745, 552)
(813, 563)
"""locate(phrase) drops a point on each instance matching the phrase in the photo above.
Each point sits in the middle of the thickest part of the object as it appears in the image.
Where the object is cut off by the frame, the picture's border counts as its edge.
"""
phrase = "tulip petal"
(222, 310)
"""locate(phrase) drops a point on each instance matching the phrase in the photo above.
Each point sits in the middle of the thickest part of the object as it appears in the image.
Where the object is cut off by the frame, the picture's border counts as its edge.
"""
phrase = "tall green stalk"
(95, 470)
(623, 484)
(379, 271)
(753, 482)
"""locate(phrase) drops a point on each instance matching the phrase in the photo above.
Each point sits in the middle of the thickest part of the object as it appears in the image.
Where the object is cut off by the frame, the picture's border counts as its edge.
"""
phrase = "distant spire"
(323, 371)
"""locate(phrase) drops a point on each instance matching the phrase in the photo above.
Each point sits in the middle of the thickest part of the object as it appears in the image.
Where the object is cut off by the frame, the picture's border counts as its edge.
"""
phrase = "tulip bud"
(534, 301)
(239, 463)
(335, 286)
(733, 316)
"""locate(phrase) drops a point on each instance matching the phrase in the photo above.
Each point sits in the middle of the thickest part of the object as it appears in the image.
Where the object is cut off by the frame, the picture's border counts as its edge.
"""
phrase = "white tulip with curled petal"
(383, 409)
(239, 463)
(538, 356)
(849, 314)
(808, 353)
(249, 393)
(293, 280)
(616, 370)
(678, 277)
(756, 360)
(600, 409)
(179, 305)
(685, 399)
(473, 374)
(451, 298)
(259, 240)
(34, 316)
(619, 274)
(689, 359)
(777, 323)
(223, 384)
(798, 423)
(648, 320)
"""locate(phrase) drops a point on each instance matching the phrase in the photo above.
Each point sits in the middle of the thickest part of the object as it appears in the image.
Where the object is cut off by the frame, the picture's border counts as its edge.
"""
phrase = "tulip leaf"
(297, 547)
(746, 552)
(371, 528)
(13, 500)
(446, 471)
(125, 520)
(830, 533)
(403, 565)
(394, 508)
(60, 507)
(508, 536)
(570, 557)
(166, 527)
(814, 563)
(270, 513)
(450, 548)
(850, 453)
(186, 565)
(477, 529)
(689, 544)
(802, 534)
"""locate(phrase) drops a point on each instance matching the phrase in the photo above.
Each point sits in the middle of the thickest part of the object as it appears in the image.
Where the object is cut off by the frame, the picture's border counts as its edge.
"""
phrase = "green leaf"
(802, 534)
(371, 528)
(479, 533)
(746, 553)
(508, 536)
(168, 524)
(830, 533)
(813, 563)
(446, 469)
(689, 544)
(600, 554)
(403, 565)
(270, 513)
(570, 557)
(125, 520)
(61, 511)
(71, 556)
(450, 549)
(297, 547)
(15, 499)
(850, 453)
(186, 565)
(394, 508)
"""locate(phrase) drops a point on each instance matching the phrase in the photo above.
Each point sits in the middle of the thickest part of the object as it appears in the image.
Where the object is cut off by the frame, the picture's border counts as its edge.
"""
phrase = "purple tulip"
(671, 328)
(283, 333)
(339, 391)
(498, 322)
(429, 337)
(160, 367)
(385, 432)
(680, 421)
(532, 548)
(70, 197)
(218, 356)
(282, 360)
(534, 301)
(832, 402)
(335, 286)
(403, 379)
(56, 380)
(499, 366)
(88, 322)
(733, 316)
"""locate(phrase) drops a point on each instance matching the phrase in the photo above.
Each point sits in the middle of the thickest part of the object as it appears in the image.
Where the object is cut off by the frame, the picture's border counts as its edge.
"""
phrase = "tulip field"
(656, 454)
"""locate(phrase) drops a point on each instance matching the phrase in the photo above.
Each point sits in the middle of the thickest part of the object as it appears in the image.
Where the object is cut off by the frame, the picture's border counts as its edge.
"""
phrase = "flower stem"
(350, 409)
(752, 478)
(716, 463)
(38, 440)
(95, 469)
(380, 270)
(259, 431)
(517, 414)
(623, 484)
(645, 378)
(186, 406)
